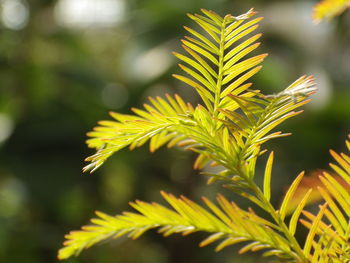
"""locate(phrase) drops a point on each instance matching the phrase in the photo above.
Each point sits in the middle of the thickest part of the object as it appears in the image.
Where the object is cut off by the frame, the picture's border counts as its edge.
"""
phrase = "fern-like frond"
(245, 130)
(333, 229)
(225, 222)
(279, 108)
(235, 121)
(213, 66)
(228, 130)
(327, 9)
(170, 122)
(157, 123)
(260, 115)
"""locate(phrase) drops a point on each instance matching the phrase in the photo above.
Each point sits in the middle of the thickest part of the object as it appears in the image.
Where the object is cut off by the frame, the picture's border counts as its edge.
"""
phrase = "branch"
(226, 222)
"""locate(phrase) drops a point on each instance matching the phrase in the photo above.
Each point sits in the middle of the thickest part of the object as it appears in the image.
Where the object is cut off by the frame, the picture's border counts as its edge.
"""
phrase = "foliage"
(334, 230)
(327, 9)
(228, 131)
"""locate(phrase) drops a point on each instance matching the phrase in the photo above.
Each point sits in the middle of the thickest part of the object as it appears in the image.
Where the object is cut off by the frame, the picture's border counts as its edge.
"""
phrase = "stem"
(298, 252)
(280, 222)
(254, 129)
(220, 67)
(268, 207)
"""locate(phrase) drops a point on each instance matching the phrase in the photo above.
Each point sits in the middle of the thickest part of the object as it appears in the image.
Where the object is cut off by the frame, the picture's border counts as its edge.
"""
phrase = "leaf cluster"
(228, 130)
(330, 228)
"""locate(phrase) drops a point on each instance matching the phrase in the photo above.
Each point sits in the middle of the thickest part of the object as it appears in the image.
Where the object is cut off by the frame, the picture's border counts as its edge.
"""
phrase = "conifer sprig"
(234, 139)
(227, 224)
(228, 130)
(332, 233)
(158, 122)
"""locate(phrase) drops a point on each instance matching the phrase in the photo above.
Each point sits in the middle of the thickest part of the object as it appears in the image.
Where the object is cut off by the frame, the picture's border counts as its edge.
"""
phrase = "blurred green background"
(64, 64)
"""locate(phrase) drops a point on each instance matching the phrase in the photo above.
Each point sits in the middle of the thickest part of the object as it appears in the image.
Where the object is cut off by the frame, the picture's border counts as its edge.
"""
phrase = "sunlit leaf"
(224, 221)
(327, 9)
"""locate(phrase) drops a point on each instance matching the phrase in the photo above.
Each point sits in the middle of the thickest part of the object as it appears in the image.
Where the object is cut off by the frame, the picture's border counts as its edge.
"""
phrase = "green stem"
(257, 191)
(220, 68)
(268, 207)
(255, 128)
(279, 221)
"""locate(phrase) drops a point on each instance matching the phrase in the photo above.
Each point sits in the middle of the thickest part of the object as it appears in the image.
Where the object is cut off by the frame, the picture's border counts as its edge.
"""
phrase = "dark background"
(65, 64)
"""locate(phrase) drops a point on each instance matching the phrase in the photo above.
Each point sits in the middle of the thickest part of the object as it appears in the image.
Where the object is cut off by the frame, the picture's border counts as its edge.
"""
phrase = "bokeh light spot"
(6, 127)
(14, 14)
(89, 13)
(152, 63)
